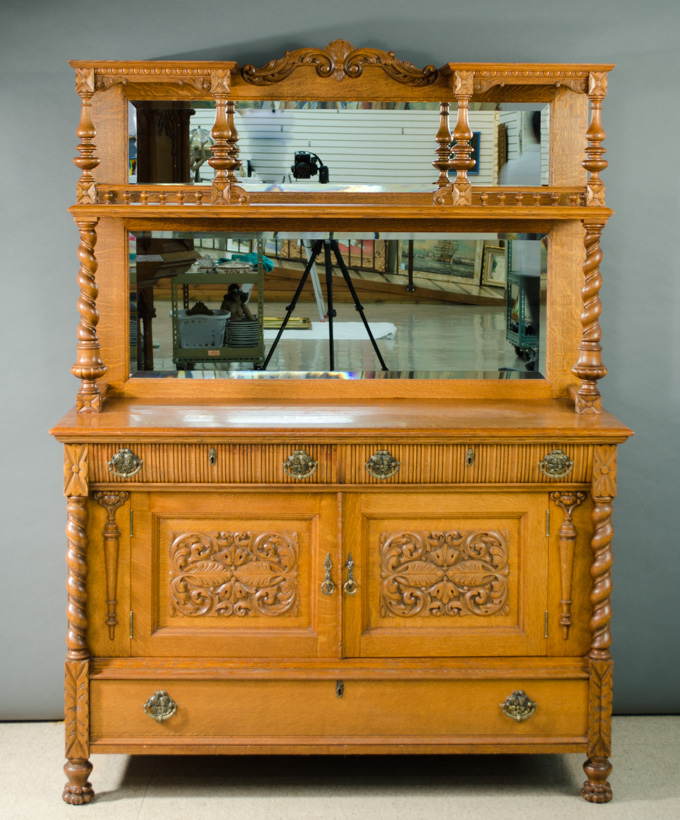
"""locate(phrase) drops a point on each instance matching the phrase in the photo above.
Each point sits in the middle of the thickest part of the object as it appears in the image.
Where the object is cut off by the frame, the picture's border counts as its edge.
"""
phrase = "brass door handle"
(160, 706)
(350, 586)
(518, 706)
(328, 587)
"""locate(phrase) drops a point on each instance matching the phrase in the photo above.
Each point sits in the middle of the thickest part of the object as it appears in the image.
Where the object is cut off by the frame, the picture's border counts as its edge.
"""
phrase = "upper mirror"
(308, 146)
(369, 305)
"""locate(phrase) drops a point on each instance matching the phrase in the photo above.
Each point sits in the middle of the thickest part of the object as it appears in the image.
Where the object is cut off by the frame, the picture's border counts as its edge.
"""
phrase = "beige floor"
(646, 781)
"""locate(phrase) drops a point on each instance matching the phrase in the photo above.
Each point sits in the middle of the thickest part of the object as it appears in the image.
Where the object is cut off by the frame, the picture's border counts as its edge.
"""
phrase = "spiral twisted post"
(86, 191)
(76, 534)
(89, 366)
(589, 367)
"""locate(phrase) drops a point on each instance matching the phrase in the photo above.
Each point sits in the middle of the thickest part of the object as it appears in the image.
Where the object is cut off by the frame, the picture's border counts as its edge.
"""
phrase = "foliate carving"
(342, 61)
(589, 367)
(575, 80)
(604, 471)
(76, 609)
(89, 366)
(111, 501)
(567, 535)
(75, 469)
(597, 767)
(444, 573)
(107, 76)
(77, 710)
(234, 573)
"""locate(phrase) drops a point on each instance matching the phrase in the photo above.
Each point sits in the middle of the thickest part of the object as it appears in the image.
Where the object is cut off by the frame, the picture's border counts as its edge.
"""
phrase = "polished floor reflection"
(428, 337)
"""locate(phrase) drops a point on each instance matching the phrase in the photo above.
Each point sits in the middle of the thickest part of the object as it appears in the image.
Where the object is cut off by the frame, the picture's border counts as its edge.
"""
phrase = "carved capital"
(463, 83)
(220, 82)
(85, 81)
(75, 470)
(597, 84)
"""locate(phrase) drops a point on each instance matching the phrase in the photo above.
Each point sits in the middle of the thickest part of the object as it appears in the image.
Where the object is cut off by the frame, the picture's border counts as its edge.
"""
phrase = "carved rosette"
(604, 471)
(589, 367)
(595, 161)
(75, 470)
(342, 61)
(444, 573)
(567, 536)
(234, 573)
(86, 191)
(89, 366)
(111, 501)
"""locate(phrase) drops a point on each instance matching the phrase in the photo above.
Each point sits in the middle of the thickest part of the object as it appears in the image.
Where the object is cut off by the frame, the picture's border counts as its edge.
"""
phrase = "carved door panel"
(233, 574)
(445, 574)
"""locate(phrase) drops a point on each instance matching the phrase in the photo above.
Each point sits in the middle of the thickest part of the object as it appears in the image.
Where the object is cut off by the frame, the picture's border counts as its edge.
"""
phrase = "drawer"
(391, 712)
(216, 464)
(396, 463)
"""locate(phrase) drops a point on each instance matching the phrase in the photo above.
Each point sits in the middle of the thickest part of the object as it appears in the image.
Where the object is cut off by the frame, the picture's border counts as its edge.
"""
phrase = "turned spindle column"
(567, 502)
(89, 366)
(589, 367)
(443, 162)
(594, 161)
(462, 150)
(223, 159)
(76, 708)
(597, 767)
(111, 501)
(86, 190)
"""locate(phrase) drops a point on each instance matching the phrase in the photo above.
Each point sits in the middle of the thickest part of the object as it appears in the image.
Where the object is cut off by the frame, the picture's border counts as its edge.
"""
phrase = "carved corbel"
(89, 366)
(589, 367)
(462, 150)
(594, 161)
(567, 536)
(224, 157)
(111, 501)
(86, 192)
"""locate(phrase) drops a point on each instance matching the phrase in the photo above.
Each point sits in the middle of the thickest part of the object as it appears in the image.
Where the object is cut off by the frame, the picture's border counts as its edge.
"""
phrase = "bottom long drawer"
(353, 712)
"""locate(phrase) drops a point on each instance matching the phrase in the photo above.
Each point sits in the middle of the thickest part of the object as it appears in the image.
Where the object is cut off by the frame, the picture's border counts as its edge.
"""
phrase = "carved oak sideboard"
(329, 564)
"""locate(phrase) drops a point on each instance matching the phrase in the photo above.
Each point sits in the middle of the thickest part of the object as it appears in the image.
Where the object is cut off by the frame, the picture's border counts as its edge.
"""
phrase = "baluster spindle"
(594, 161)
(443, 153)
(462, 150)
(86, 190)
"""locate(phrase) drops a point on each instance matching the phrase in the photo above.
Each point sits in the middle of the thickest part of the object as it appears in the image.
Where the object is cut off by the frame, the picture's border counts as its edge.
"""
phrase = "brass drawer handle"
(300, 465)
(383, 465)
(556, 464)
(518, 706)
(125, 463)
(350, 586)
(328, 586)
(160, 706)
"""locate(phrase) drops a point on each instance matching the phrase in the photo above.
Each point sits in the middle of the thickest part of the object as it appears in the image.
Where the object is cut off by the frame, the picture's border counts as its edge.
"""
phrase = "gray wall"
(37, 258)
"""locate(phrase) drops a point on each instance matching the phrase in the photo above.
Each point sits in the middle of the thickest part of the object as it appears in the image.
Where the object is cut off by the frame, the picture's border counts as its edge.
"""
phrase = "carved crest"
(342, 61)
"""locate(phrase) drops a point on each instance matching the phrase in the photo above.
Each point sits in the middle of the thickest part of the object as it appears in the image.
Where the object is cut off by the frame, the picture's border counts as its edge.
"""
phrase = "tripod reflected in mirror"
(328, 245)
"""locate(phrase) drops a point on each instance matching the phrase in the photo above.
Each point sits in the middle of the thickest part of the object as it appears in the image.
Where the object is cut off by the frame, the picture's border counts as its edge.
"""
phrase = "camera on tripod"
(305, 166)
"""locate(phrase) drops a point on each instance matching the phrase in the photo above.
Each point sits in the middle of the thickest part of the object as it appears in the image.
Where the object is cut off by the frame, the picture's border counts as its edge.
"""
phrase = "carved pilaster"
(589, 367)
(567, 536)
(594, 161)
(462, 150)
(75, 470)
(89, 366)
(597, 767)
(111, 501)
(77, 709)
(86, 161)
(223, 158)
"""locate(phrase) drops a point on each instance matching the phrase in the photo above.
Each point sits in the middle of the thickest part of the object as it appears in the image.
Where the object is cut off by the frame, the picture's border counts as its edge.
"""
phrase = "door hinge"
(132, 522)
(546, 624)
(132, 623)
(547, 523)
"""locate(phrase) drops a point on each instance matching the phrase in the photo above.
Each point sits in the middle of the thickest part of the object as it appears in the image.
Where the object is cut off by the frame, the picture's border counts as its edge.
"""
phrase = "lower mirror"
(282, 305)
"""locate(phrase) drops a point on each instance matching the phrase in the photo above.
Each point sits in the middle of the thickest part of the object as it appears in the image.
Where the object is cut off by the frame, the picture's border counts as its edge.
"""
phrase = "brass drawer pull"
(383, 465)
(350, 586)
(556, 464)
(518, 706)
(300, 465)
(125, 463)
(328, 586)
(160, 706)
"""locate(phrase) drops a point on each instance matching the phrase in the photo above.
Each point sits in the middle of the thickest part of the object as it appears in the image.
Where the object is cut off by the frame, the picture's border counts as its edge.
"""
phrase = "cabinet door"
(442, 574)
(233, 574)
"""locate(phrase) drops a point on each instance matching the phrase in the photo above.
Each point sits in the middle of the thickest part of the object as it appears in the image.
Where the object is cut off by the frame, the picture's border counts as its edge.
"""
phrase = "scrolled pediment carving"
(342, 61)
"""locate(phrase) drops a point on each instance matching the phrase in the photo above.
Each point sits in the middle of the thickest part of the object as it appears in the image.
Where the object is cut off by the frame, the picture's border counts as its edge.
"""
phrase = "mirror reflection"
(369, 305)
(302, 146)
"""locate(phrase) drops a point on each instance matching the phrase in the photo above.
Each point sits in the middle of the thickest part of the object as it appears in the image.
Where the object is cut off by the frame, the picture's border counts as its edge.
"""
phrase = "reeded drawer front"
(393, 711)
(218, 464)
(390, 463)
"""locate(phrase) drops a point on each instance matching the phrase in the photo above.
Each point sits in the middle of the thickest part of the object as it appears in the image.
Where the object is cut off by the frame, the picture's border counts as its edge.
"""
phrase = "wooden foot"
(596, 789)
(78, 790)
